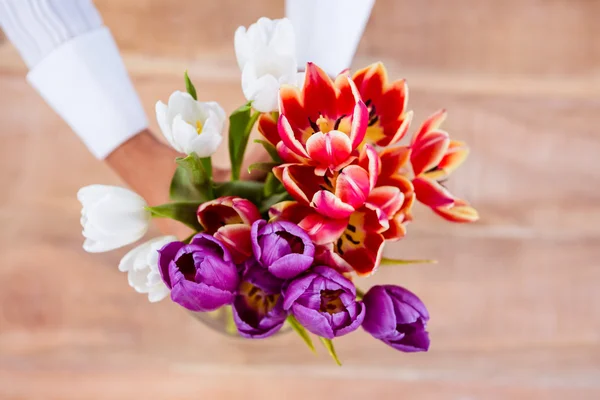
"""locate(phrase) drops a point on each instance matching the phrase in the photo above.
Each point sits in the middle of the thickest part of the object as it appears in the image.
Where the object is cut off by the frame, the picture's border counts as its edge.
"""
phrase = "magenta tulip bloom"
(324, 302)
(282, 247)
(258, 306)
(397, 317)
(201, 275)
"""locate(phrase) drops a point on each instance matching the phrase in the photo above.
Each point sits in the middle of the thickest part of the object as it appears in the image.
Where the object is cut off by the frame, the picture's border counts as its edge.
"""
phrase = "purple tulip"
(201, 275)
(324, 302)
(397, 317)
(282, 247)
(258, 306)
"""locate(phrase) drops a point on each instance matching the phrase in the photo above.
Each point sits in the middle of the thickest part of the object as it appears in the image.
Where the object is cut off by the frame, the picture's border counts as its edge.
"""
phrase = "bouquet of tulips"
(338, 186)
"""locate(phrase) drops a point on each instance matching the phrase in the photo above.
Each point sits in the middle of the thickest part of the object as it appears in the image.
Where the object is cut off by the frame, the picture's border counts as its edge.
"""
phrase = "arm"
(76, 67)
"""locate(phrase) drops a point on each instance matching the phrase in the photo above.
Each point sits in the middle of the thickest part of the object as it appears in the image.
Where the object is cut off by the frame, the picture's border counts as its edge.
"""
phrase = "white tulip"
(266, 55)
(111, 217)
(191, 126)
(141, 265)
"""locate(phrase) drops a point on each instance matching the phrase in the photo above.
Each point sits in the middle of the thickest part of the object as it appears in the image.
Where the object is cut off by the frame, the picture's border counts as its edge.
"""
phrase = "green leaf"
(392, 261)
(250, 190)
(190, 181)
(207, 166)
(184, 212)
(270, 201)
(272, 185)
(329, 346)
(360, 294)
(241, 122)
(262, 166)
(189, 86)
(302, 332)
(270, 149)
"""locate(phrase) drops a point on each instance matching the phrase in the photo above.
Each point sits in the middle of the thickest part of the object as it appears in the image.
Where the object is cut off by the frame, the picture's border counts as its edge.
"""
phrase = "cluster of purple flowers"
(281, 278)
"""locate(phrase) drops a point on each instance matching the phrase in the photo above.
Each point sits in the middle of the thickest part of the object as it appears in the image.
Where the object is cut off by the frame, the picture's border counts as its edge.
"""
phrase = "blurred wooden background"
(514, 300)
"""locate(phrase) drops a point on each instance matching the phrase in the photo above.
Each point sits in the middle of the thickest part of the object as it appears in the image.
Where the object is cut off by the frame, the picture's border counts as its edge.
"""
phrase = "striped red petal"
(432, 193)
(433, 122)
(352, 186)
(319, 94)
(330, 205)
(459, 211)
(428, 151)
(329, 150)
(267, 126)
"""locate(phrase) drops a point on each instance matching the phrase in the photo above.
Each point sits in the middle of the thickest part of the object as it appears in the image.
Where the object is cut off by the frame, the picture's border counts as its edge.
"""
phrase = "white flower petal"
(263, 91)
(163, 122)
(111, 217)
(137, 280)
(183, 104)
(158, 293)
(283, 39)
(243, 51)
(141, 265)
(206, 144)
(184, 134)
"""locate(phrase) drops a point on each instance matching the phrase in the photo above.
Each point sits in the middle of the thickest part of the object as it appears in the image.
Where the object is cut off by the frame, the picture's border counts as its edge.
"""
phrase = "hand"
(147, 166)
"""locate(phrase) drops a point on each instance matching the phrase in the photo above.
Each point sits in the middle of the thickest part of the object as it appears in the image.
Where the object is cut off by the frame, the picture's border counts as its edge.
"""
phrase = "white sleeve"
(328, 31)
(76, 67)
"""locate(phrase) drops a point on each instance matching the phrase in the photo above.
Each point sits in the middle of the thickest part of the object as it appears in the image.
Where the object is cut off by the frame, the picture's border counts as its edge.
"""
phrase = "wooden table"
(515, 298)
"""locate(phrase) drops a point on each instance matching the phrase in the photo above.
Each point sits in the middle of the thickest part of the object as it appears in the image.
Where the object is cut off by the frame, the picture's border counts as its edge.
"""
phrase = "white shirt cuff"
(85, 81)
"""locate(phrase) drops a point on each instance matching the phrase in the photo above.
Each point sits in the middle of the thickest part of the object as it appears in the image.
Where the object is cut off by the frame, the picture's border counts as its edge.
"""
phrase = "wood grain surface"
(514, 300)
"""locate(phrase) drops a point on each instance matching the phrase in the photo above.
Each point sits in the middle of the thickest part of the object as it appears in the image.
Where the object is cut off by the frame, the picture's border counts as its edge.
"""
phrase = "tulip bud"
(397, 317)
(258, 306)
(282, 247)
(111, 217)
(201, 275)
(191, 126)
(141, 265)
(324, 302)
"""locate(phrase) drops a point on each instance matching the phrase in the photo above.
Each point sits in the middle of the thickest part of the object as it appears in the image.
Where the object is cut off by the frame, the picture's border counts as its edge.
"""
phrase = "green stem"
(206, 163)
(236, 169)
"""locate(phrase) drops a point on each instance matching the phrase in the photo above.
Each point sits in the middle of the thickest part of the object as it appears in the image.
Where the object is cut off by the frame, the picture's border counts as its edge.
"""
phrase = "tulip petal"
(236, 238)
(295, 289)
(165, 256)
(454, 157)
(330, 150)
(388, 199)
(291, 106)
(369, 160)
(288, 156)
(433, 122)
(352, 186)
(267, 126)
(459, 211)
(393, 159)
(431, 193)
(299, 180)
(417, 340)
(357, 321)
(365, 259)
(428, 151)
(287, 136)
(313, 321)
(319, 93)
(321, 229)
(392, 134)
(380, 319)
(360, 122)
(397, 228)
(328, 204)
(199, 297)
(290, 265)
